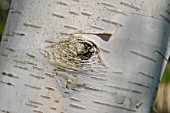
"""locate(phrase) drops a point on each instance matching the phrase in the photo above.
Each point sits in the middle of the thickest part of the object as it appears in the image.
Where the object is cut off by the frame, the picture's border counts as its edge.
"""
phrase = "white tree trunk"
(119, 73)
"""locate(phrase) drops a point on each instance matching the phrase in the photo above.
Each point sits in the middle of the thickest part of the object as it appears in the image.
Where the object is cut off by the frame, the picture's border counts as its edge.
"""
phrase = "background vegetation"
(4, 7)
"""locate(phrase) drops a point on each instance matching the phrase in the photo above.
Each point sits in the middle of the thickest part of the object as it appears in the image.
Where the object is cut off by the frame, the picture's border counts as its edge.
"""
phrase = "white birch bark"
(130, 40)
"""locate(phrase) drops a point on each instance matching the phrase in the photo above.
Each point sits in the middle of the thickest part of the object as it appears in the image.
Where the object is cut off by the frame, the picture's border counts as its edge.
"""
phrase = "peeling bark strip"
(104, 36)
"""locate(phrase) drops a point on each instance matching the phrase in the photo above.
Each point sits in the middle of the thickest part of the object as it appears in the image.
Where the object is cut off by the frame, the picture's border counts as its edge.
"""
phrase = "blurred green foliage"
(4, 7)
(166, 76)
(1, 28)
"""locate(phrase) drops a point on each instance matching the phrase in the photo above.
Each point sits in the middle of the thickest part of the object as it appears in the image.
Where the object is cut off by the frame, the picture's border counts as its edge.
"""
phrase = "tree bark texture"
(83, 56)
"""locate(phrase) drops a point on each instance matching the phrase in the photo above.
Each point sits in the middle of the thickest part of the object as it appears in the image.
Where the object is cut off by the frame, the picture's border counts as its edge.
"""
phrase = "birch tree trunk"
(83, 56)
